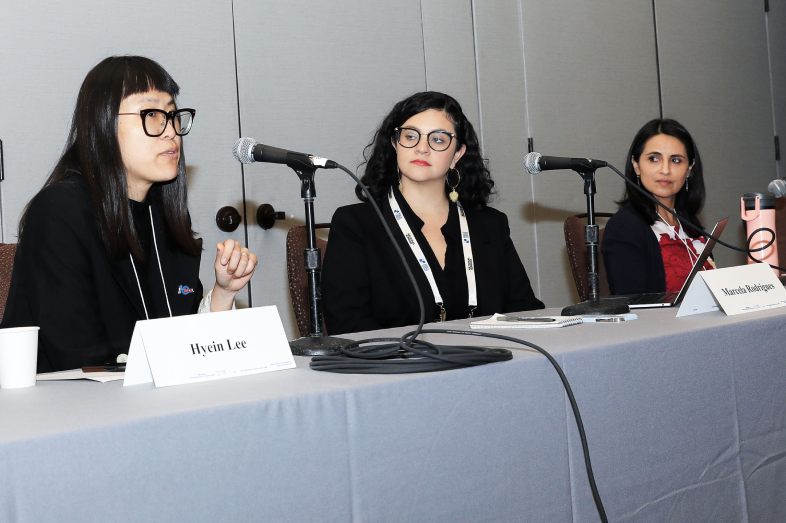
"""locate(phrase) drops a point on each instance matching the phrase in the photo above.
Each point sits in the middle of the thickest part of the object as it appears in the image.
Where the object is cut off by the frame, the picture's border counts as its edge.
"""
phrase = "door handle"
(228, 219)
(267, 216)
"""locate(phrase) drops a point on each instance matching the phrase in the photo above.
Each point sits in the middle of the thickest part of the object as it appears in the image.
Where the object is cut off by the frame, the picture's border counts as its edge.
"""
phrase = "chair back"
(7, 253)
(297, 241)
(579, 257)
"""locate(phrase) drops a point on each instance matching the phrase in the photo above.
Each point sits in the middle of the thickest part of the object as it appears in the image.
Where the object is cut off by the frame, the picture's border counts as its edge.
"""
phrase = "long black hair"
(689, 201)
(93, 150)
(381, 171)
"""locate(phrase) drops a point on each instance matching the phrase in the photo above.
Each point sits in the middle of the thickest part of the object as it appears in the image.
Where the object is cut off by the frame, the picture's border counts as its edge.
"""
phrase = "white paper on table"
(77, 374)
(556, 323)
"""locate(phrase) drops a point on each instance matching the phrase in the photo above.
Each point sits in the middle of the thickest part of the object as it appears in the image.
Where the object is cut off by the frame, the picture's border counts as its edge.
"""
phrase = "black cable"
(351, 366)
(701, 231)
(408, 354)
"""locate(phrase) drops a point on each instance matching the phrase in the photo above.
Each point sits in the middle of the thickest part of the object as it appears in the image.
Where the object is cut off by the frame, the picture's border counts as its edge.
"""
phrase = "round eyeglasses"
(437, 140)
(154, 121)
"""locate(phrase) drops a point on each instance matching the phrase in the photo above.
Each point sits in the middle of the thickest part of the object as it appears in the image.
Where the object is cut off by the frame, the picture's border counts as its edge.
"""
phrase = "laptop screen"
(705, 253)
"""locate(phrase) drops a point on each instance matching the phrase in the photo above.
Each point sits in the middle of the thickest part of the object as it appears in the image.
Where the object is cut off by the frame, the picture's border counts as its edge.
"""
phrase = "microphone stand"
(316, 343)
(595, 305)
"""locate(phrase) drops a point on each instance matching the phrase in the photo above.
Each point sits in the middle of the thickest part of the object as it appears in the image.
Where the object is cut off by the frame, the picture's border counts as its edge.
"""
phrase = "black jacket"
(365, 286)
(631, 254)
(64, 282)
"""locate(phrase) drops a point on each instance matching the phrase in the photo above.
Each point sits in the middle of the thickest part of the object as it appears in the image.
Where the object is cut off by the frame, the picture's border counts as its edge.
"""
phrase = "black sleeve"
(624, 256)
(199, 293)
(346, 285)
(521, 296)
(200, 290)
(59, 294)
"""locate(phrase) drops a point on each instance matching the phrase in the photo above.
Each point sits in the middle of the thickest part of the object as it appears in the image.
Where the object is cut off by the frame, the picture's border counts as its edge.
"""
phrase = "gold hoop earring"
(453, 194)
(400, 185)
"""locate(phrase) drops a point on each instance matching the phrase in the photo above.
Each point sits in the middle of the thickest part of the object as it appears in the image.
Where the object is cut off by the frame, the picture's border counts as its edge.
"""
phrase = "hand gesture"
(234, 267)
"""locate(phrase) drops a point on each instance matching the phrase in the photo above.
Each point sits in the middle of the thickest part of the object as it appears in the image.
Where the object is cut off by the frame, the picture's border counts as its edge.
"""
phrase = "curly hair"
(689, 202)
(380, 159)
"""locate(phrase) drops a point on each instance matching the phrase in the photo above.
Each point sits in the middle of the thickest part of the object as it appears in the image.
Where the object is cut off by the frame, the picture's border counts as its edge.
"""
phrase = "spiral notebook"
(498, 321)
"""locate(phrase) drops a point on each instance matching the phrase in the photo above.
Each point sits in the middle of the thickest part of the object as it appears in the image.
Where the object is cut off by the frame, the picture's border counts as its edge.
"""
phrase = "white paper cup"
(18, 357)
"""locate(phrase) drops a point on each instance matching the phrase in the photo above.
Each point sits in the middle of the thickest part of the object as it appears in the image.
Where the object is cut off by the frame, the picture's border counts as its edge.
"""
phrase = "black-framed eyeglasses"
(437, 140)
(154, 121)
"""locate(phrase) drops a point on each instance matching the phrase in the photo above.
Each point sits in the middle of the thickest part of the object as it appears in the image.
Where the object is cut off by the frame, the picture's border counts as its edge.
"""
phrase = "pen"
(120, 367)
(525, 318)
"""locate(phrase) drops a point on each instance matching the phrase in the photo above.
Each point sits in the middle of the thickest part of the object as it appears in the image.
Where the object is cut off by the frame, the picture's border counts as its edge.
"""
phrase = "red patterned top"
(677, 263)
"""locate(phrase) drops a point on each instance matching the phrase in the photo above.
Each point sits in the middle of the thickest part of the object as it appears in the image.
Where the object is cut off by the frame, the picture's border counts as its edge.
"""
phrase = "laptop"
(672, 299)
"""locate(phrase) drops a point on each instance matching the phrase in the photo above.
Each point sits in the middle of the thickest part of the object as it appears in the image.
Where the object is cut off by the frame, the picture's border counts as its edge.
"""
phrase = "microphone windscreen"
(778, 188)
(531, 163)
(243, 150)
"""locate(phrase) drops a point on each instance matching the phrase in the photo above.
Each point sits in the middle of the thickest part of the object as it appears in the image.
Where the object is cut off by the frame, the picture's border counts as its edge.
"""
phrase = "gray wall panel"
(321, 84)
(591, 84)
(776, 20)
(46, 54)
(579, 76)
(448, 43)
(502, 94)
(715, 81)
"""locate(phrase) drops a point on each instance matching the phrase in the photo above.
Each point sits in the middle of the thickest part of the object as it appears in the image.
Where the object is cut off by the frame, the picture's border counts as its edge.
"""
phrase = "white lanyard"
(469, 264)
(692, 256)
(133, 265)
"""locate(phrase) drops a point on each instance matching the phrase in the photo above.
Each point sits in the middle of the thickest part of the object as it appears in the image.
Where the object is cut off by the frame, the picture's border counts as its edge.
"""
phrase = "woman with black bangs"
(425, 171)
(108, 240)
(645, 248)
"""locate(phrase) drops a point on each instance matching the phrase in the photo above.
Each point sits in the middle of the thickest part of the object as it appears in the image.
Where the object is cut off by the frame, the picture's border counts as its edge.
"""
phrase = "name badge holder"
(466, 244)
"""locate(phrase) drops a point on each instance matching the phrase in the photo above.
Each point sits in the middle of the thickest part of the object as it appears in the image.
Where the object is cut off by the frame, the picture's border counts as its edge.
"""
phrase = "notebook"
(500, 321)
(672, 299)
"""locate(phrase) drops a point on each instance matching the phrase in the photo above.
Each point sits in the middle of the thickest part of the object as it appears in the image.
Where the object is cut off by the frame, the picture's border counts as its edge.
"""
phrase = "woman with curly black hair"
(425, 171)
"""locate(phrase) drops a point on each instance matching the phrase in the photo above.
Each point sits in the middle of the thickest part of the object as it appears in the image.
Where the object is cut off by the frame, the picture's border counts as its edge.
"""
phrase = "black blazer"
(631, 254)
(64, 282)
(365, 286)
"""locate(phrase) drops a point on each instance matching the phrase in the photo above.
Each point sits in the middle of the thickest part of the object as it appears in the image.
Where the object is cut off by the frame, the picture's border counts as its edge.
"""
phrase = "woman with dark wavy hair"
(108, 240)
(645, 248)
(425, 171)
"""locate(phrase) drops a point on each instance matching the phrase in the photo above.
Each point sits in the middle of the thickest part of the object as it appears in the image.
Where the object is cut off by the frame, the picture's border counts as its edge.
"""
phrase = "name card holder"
(205, 347)
(734, 290)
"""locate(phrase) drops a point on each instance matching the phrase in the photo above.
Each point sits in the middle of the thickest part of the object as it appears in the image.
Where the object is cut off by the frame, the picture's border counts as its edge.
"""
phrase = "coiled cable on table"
(419, 356)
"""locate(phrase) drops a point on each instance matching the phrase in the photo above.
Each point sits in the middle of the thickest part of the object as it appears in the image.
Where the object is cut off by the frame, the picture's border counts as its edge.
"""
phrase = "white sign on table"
(204, 347)
(734, 290)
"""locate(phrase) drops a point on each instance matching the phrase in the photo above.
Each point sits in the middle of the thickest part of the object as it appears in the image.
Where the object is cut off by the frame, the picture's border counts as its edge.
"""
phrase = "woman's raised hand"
(234, 267)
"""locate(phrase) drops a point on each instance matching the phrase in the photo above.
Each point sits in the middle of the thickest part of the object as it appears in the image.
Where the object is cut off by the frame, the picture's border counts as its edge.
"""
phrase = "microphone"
(777, 187)
(535, 162)
(247, 150)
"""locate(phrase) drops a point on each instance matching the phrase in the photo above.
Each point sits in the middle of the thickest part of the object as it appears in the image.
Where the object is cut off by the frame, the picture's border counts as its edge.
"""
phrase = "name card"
(205, 347)
(734, 290)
